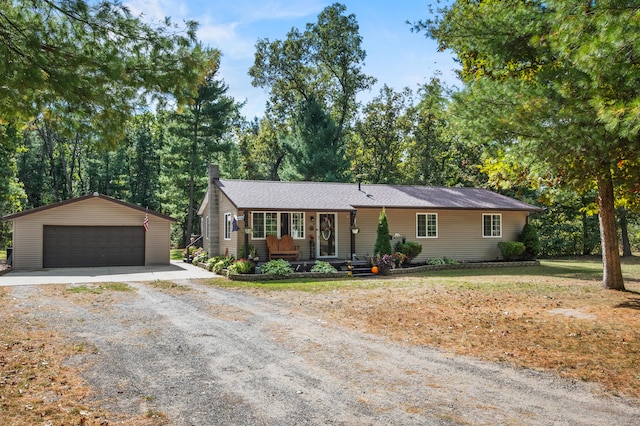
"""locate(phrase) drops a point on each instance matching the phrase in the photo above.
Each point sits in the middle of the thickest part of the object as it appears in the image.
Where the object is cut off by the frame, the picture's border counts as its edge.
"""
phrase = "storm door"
(327, 237)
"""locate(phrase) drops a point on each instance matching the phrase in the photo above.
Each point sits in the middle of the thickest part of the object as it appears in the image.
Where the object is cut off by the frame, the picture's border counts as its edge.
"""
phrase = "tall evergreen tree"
(383, 239)
(93, 58)
(196, 138)
(313, 153)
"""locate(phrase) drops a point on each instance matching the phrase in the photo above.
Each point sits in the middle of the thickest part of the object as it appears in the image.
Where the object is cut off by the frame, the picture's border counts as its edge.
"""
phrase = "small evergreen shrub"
(529, 237)
(323, 267)
(277, 267)
(511, 250)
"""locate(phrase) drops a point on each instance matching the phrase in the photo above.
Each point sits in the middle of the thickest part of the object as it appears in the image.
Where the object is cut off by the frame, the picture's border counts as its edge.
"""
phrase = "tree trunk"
(624, 230)
(612, 273)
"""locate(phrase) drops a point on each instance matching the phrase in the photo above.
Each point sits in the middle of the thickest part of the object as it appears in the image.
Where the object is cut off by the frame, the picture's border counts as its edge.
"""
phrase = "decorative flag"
(234, 225)
(145, 223)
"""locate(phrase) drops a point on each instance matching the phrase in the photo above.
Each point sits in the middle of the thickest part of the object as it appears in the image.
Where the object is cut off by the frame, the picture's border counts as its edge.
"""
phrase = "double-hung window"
(427, 225)
(491, 225)
(297, 225)
(278, 224)
(227, 226)
(264, 223)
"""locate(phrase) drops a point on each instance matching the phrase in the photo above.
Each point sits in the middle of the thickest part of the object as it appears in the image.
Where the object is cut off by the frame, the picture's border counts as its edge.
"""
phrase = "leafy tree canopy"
(555, 86)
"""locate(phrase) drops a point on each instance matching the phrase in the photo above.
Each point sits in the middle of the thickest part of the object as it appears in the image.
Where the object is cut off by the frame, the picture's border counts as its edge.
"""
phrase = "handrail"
(193, 242)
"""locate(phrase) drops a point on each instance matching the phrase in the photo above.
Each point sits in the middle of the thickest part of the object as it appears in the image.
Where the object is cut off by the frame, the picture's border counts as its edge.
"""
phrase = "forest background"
(95, 100)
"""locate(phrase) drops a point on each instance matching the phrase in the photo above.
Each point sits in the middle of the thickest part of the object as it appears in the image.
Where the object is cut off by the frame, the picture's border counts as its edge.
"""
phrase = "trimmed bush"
(410, 249)
(529, 237)
(511, 250)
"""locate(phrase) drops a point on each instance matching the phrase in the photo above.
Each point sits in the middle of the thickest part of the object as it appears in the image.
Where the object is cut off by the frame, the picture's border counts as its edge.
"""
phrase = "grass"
(100, 288)
(554, 317)
(176, 254)
(170, 286)
(3, 254)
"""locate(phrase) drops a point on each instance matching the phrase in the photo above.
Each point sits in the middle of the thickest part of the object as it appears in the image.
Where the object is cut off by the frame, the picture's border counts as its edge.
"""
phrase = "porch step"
(358, 268)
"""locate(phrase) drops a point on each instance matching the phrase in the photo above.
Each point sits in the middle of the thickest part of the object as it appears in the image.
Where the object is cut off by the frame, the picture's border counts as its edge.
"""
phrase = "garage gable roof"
(331, 196)
(83, 198)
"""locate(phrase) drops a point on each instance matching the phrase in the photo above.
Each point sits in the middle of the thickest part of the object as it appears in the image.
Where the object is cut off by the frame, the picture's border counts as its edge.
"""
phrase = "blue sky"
(395, 56)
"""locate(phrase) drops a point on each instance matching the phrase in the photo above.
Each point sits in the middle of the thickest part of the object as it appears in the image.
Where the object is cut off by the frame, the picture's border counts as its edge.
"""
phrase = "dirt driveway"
(204, 355)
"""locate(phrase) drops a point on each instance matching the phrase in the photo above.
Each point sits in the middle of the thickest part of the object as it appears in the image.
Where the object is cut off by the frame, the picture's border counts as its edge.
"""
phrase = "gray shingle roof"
(329, 196)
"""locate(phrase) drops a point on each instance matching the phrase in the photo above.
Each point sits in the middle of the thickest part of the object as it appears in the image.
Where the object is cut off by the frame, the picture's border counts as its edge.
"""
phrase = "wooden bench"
(283, 248)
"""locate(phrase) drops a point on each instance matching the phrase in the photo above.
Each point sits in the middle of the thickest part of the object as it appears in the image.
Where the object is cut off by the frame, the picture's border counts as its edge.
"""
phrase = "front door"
(326, 235)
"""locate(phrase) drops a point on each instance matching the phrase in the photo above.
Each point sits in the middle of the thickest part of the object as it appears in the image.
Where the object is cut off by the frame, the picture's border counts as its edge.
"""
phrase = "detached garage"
(94, 230)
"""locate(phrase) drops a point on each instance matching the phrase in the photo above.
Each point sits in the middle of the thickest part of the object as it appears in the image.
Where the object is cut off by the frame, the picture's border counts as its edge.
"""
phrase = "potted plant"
(385, 264)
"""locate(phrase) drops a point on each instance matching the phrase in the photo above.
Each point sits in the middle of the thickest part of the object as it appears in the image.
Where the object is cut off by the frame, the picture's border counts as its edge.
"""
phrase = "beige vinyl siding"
(344, 235)
(231, 246)
(28, 229)
(459, 233)
(157, 242)
(367, 222)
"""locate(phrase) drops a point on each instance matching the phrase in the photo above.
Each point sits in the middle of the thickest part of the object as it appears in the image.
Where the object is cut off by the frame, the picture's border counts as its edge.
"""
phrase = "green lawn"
(176, 254)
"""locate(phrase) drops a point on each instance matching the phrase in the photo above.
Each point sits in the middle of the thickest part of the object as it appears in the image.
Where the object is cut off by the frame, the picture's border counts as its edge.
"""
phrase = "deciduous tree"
(555, 85)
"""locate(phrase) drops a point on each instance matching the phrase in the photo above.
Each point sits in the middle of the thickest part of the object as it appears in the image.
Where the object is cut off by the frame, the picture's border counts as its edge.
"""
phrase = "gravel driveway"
(212, 356)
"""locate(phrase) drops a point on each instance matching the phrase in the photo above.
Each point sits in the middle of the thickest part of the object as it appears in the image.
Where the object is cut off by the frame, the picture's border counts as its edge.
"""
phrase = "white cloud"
(226, 38)
(254, 11)
(157, 10)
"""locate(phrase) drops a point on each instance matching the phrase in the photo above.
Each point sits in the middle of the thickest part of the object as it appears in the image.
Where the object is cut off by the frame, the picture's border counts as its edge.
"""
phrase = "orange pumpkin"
(374, 270)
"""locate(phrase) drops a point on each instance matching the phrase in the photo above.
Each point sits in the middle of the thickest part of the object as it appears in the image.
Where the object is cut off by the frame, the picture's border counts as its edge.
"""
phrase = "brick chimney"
(213, 211)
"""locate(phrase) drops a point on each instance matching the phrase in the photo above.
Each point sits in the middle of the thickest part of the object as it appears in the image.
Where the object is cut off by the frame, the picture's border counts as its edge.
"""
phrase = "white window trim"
(264, 224)
(228, 217)
(426, 214)
(499, 229)
(278, 217)
(302, 224)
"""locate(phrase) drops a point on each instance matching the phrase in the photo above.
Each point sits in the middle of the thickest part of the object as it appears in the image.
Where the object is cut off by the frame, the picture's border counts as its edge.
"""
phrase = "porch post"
(353, 236)
(246, 236)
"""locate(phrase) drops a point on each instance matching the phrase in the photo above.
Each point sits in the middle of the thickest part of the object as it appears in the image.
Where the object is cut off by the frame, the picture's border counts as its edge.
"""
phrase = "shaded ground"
(184, 353)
